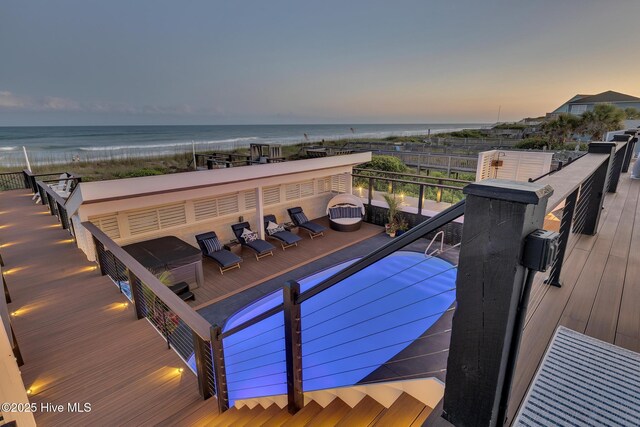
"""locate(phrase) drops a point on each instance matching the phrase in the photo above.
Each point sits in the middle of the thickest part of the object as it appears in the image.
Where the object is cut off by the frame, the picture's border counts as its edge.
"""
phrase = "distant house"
(581, 103)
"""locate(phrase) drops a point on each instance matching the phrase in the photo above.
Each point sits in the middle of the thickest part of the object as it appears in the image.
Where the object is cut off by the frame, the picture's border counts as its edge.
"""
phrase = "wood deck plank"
(600, 292)
(79, 343)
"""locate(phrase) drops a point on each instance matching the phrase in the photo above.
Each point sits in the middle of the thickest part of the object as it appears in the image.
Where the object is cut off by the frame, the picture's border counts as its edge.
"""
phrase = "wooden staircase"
(406, 411)
(406, 403)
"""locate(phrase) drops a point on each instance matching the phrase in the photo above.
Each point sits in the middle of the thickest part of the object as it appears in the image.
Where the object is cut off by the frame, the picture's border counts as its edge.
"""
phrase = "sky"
(89, 62)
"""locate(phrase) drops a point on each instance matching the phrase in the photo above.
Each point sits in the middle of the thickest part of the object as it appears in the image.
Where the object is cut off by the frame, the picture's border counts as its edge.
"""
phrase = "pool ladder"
(440, 250)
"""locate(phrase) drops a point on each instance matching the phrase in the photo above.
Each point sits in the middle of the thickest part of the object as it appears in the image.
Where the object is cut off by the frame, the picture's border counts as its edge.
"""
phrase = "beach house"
(581, 103)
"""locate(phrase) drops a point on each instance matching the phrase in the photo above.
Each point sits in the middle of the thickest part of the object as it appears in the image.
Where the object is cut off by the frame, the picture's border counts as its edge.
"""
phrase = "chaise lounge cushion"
(222, 256)
(300, 219)
(260, 246)
(313, 227)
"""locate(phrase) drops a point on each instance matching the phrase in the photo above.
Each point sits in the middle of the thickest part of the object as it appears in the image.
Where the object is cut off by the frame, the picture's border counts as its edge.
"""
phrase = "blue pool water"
(348, 331)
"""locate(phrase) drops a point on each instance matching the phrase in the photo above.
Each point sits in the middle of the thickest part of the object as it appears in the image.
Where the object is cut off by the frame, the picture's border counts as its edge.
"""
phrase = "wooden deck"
(600, 295)
(252, 272)
(79, 343)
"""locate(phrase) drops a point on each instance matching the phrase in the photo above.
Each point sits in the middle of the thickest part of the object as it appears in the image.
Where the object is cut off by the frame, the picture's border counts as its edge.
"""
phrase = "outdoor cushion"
(225, 258)
(345, 211)
(299, 218)
(212, 245)
(287, 237)
(260, 246)
(313, 227)
(273, 228)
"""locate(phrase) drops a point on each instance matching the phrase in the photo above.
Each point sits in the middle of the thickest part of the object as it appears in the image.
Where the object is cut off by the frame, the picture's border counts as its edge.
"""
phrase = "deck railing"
(13, 181)
(184, 330)
(56, 203)
(413, 191)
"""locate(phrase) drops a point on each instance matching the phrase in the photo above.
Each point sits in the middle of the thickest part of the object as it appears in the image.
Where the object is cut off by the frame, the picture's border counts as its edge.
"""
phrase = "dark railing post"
(99, 250)
(293, 346)
(565, 232)
(136, 294)
(618, 163)
(598, 187)
(628, 154)
(16, 348)
(491, 286)
(203, 362)
(219, 369)
(370, 197)
(420, 202)
(7, 296)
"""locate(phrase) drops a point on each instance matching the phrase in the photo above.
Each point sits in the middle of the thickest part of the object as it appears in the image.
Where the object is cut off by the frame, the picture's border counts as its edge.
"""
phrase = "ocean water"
(57, 144)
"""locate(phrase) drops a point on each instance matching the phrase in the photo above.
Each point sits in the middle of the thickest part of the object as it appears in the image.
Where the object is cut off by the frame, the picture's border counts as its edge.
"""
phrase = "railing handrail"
(413, 175)
(404, 181)
(51, 192)
(189, 316)
(11, 173)
(421, 153)
(564, 165)
(567, 180)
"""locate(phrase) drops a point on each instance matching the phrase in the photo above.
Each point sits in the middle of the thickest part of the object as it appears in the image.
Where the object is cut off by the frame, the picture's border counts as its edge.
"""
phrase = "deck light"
(124, 304)
(180, 370)
(14, 313)
(29, 391)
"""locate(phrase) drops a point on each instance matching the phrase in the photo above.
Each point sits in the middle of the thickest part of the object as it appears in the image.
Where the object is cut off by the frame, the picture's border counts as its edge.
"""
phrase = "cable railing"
(53, 197)
(185, 331)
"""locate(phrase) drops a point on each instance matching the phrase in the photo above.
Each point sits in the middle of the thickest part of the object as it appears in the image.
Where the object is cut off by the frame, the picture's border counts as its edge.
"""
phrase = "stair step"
(278, 419)
(404, 411)
(230, 416)
(422, 417)
(304, 415)
(363, 414)
(330, 415)
(263, 415)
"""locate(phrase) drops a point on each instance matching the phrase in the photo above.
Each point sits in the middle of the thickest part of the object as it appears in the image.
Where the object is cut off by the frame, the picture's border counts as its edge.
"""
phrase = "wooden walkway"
(79, 343)
(253, 272)
(600, 295)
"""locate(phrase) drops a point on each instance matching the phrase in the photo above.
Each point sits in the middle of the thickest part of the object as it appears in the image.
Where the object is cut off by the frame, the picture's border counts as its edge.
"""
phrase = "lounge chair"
(299, 219)
(346, 212)
(259, 246)
(212, 248)
(286, 238)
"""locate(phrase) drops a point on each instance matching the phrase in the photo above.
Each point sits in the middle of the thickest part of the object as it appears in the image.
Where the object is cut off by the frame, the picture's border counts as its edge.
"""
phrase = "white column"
(348, 184)
(259, 213)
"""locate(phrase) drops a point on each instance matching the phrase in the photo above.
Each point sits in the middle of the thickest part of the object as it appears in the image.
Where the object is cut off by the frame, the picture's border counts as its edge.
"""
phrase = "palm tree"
(560, 129)
(603, 118)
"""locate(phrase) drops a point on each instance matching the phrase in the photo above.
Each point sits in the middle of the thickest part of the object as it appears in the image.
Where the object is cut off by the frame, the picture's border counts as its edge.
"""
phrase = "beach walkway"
(80, 342)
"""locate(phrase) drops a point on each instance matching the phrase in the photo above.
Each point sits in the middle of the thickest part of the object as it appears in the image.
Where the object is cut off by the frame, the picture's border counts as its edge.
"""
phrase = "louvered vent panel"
(108, 225)
(583, 381)
(306, 189)
(228, 204)
(171, 216)
(271, 195)
(292, 191)
(324, 185)
(143, 221)
(250, 199)
(206, 208)
(338, 183)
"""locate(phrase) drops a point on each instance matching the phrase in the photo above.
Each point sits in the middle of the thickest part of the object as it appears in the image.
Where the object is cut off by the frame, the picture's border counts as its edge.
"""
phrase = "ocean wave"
(167, 145)
(8, 148)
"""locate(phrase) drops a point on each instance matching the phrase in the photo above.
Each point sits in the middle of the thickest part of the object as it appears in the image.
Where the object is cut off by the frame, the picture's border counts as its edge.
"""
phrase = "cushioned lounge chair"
(259, 246)
(212, 248)
(286, 238)
(299, 219)
(346, 212)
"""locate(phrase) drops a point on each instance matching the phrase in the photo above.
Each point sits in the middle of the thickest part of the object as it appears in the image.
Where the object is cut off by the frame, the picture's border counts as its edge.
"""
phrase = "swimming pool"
(348, 331)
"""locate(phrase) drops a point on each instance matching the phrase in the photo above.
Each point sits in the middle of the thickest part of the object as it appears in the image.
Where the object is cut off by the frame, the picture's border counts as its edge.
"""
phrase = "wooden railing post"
(618, 162)
(293, 346)
(565, 232)
(420, 202)
(219, 369)
(628, 154)
(599, 186)
(136, 294)
(490, 286)
(370, 197)
(203, 358)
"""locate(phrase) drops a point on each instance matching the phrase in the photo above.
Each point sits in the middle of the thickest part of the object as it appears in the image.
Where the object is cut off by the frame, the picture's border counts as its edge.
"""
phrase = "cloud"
(20, 103)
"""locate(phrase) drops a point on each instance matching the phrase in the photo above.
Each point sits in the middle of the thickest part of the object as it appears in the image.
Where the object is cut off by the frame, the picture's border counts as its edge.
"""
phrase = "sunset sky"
(241, 62)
